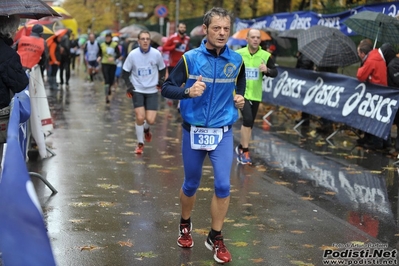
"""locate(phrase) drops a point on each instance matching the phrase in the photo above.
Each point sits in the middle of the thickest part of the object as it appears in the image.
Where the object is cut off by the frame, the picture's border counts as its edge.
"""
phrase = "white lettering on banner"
(300, 23)
(259, 25)
(288, 86)
(242, 25)
(391, 11)
(278, 24)
(323, 94)
(369, 105)
(332, 22)
(267, 84)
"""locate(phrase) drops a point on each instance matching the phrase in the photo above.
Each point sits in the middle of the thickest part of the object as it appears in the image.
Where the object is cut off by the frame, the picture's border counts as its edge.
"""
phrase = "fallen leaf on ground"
(205, 189)
(126, 243)
(240, 244)
(106, 204)
(81, 204)
(149, 254)
(259, 260)
(155, 166)
(130, 213)
(107, 186)
(240, 225)
(297, 232)
(89, 248)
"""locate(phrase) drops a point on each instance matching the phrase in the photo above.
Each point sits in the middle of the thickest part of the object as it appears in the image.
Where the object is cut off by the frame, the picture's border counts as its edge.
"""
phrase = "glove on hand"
(129, 92)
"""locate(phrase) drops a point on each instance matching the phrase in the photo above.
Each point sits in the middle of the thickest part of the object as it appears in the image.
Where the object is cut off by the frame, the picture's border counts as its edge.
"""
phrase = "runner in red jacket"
(177, 44)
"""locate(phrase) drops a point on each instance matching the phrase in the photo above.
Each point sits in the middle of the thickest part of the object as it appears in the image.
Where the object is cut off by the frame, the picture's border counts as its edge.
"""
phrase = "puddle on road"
(358, 186)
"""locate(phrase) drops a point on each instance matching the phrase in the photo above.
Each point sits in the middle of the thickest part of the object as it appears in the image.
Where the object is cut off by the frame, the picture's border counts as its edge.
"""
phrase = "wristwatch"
(187, 93)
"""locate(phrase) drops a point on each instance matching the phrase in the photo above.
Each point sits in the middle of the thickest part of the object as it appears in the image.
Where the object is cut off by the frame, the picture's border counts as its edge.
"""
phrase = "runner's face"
(144, 41)
(253, 39)
(217, 33)
(182, 29)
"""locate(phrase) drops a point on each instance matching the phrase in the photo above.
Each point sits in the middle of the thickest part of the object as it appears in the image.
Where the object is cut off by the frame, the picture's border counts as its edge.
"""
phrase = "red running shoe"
(220, 252)
(147, 135)
(139, 149)
(185, 239)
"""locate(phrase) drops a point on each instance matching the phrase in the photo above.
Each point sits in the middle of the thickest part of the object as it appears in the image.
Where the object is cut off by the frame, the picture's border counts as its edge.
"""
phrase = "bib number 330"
(205, 138)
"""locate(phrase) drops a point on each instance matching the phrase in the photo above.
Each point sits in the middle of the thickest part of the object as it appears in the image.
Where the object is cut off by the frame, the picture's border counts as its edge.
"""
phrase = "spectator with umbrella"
(13, 77)
(33, 49)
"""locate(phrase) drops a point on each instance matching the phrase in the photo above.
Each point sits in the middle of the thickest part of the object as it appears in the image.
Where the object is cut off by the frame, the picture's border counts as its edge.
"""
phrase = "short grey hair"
(9, 25)
(215, 11)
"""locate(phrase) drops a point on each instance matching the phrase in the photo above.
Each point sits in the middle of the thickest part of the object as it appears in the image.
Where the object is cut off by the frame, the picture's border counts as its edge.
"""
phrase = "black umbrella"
(374, 25)
(283, 43)
(327, 47)
(290, 34)
(33, 9)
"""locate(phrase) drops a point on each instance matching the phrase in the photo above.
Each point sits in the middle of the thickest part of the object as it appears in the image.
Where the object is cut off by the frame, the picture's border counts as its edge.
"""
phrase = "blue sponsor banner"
(342, 99)
(307, 19)
(23, 235)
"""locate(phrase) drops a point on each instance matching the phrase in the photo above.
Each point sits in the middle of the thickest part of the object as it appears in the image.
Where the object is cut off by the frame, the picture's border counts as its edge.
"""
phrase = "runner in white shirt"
(143, 72)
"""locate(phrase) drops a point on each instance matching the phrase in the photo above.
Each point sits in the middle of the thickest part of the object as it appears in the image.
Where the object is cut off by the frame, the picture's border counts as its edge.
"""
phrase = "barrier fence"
(339, 98)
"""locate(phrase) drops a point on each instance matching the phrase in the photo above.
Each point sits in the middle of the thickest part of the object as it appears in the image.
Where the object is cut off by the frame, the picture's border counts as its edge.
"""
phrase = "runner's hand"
(129, 92)
(198, 88)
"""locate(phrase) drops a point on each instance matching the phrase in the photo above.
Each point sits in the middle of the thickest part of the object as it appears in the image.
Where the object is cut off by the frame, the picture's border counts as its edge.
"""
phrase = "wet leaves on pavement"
(127, 243)
(143, 255)
(240, 244)
(89, 248)
(107, 186)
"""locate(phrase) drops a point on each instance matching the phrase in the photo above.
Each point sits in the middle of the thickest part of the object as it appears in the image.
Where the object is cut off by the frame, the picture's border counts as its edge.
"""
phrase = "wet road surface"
(114, 207)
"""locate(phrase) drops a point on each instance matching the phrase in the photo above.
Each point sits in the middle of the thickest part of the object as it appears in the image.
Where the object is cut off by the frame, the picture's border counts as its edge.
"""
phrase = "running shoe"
(139, 149)
(238, 150)
(220, 252)
(147, 135)
(244, 158)
(185, 239)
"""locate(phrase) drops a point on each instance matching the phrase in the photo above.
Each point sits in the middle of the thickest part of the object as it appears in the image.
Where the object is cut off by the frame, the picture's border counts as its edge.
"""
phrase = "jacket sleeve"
(271, 68)
(15, 77)
(171, 88)
(169, 45)
(52, 56)
(364, 71)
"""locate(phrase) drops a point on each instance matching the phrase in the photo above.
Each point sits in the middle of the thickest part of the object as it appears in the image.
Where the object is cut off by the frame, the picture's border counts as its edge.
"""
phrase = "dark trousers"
(109, 73)
(65, 65)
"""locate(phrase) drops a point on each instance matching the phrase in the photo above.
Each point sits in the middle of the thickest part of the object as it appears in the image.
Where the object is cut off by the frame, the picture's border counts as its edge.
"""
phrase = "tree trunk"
(254, 8)
(280, 6)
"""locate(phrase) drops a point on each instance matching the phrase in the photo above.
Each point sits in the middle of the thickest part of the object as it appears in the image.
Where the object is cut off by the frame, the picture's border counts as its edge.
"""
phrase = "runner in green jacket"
(258, 63)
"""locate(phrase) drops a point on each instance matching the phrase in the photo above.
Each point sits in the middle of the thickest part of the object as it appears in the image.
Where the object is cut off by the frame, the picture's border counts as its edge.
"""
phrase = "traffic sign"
(138, 14)
(161, 11)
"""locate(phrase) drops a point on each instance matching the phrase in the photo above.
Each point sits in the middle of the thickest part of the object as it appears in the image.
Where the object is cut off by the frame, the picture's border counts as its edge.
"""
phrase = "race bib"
(203, 138)
(110, 51)
(251, 73)
(182, 48)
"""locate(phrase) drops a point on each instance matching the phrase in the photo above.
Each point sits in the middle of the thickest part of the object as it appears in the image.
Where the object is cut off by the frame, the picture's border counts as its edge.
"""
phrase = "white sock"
(140, 133)
(146, 125)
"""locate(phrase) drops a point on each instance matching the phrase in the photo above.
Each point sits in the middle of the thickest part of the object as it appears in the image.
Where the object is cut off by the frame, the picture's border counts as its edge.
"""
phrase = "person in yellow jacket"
(110, 54)
(258, 63)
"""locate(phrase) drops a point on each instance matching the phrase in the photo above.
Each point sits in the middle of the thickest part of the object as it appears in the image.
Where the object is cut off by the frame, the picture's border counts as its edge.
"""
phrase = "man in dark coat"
(12, 75)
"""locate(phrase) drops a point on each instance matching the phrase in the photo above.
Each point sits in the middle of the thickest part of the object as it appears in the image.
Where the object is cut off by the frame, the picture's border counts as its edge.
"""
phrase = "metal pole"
(177, 13)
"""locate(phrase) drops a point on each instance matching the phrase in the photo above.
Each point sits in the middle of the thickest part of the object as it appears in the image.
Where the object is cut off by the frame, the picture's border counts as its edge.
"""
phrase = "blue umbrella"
(233, 41)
